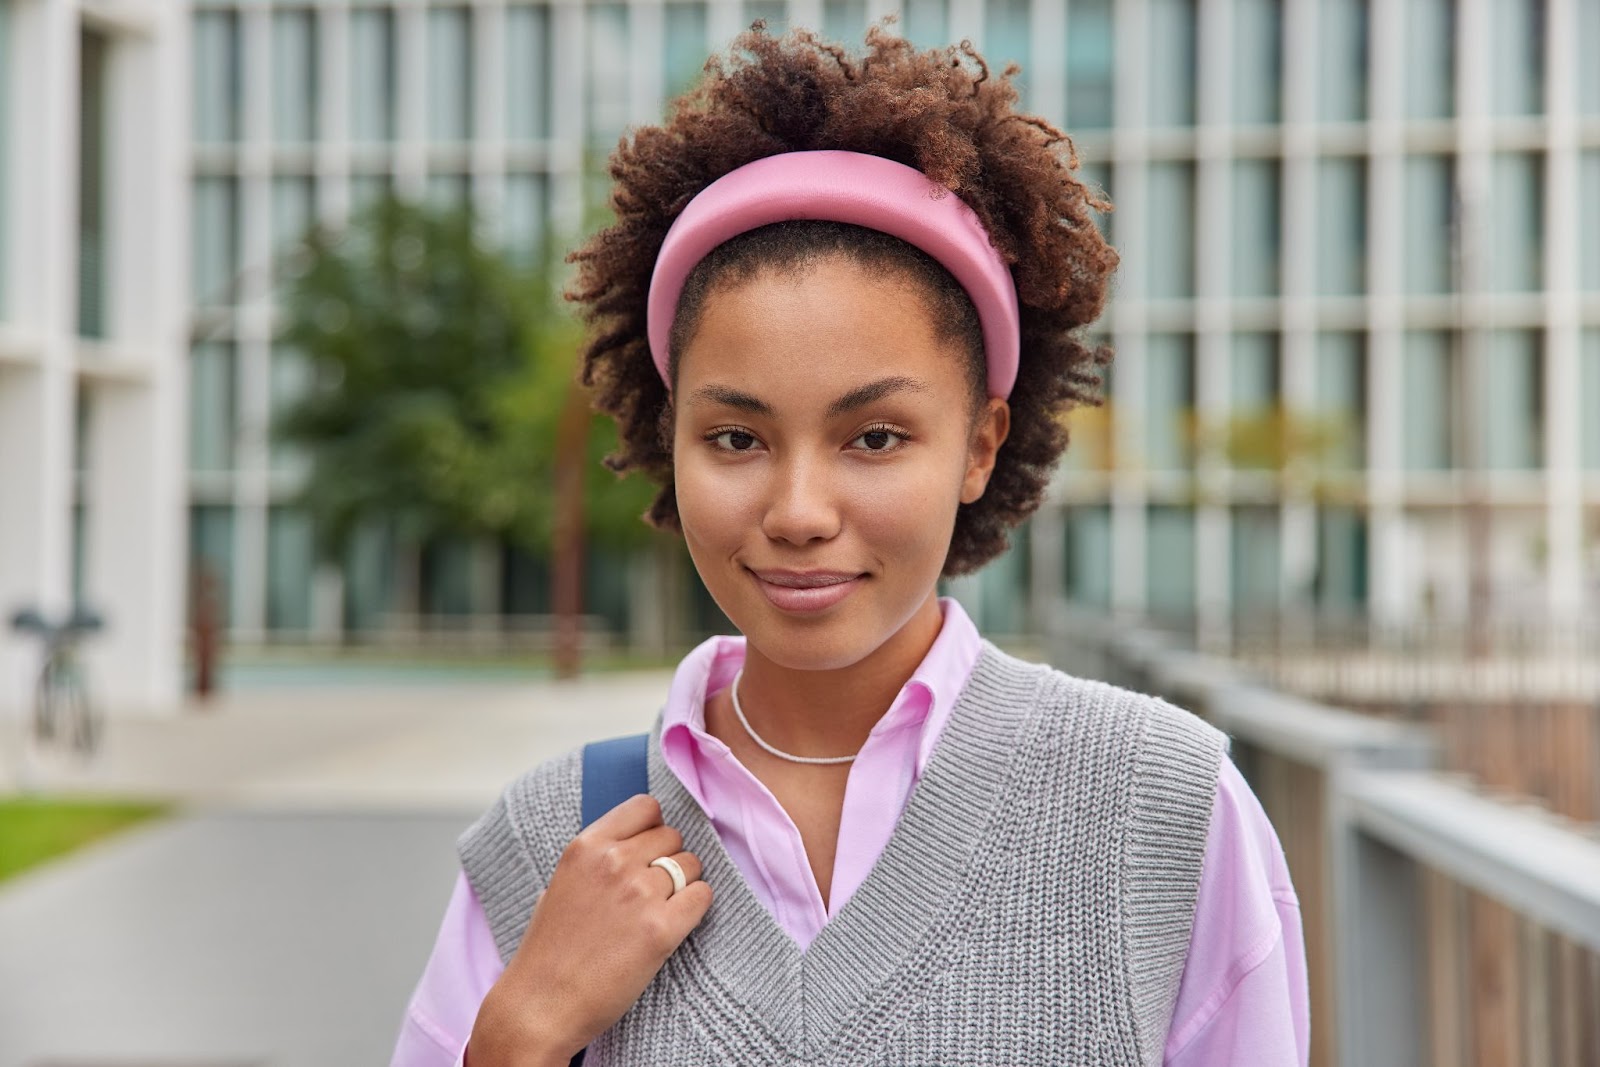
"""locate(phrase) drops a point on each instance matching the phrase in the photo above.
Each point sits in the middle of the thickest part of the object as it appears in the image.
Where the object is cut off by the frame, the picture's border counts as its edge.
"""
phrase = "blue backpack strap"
(613, 771)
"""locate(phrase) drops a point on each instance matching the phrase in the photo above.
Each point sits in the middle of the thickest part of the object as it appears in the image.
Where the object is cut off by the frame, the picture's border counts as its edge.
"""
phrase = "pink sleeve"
(1243, 999)
(462, 968)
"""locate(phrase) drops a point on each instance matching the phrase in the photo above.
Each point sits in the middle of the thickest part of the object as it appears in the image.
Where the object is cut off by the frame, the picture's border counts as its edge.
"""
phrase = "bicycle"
(61, 704)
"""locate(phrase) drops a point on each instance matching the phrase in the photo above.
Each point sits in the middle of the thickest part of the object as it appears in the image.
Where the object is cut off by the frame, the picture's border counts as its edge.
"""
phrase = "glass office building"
(1359, 306)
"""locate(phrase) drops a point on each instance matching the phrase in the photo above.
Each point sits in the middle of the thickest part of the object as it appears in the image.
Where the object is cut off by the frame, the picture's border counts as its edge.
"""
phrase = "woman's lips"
(803, 592)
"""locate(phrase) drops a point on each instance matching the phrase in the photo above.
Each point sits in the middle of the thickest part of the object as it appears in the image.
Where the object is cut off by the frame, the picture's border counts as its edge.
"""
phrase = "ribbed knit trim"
(509, 854)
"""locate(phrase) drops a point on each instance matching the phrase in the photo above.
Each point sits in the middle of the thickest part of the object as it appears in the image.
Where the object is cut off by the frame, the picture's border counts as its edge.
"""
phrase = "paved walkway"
(284, 916)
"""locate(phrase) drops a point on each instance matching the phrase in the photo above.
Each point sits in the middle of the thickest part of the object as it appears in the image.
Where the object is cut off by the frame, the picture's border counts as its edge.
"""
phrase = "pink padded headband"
(856, 188)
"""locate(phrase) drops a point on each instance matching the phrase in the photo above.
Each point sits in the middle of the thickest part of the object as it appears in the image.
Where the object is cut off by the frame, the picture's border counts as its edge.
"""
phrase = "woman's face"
(823, 439)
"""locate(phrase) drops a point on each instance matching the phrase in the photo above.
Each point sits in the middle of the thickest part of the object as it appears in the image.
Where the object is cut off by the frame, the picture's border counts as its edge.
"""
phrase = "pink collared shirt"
(1243, 999)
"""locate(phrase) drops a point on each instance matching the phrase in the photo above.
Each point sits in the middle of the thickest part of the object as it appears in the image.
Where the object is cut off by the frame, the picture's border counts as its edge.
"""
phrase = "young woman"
(837, 319)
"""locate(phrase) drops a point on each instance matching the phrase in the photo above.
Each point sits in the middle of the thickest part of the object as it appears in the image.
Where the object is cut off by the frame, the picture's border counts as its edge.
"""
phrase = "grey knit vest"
(1033, 905)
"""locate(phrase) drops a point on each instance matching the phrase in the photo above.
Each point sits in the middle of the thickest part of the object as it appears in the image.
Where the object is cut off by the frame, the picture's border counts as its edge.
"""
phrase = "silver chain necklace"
(737, 710)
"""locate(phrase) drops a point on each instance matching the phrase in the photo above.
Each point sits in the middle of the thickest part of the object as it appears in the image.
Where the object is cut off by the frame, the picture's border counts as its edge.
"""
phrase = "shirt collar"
(711, 665)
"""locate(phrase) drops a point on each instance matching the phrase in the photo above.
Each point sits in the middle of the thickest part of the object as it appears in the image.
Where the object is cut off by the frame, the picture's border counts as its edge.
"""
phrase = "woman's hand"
(600, 931)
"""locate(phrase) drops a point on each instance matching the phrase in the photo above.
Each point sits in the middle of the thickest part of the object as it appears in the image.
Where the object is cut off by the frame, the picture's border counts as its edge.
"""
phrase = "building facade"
(1357, 325)
(94, 321)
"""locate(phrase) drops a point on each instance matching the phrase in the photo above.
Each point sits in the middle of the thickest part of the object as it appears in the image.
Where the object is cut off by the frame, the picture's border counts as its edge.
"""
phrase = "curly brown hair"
(939, 111)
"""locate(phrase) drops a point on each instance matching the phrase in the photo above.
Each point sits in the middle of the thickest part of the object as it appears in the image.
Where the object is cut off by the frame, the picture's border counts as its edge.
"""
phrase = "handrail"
(1520, 855)
(1379, 816)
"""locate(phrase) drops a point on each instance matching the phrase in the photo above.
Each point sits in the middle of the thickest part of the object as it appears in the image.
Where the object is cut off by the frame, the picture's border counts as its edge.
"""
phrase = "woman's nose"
(802, 504)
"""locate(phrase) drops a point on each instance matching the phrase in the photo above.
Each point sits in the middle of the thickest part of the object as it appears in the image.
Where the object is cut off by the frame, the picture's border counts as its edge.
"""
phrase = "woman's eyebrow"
(733, 398)
(866, 394)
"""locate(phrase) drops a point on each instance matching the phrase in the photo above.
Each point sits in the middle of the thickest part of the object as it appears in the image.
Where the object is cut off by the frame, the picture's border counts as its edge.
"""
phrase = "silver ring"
(670, 865)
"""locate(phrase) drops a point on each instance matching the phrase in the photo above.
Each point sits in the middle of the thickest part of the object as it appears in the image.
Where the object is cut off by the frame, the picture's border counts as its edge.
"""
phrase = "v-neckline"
(908, 892)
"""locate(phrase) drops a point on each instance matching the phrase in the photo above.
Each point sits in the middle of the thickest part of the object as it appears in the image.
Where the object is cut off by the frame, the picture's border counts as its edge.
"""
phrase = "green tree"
(440, 373)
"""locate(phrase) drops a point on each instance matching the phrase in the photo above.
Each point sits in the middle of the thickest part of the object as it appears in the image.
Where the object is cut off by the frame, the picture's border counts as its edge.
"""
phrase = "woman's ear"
(988, 434)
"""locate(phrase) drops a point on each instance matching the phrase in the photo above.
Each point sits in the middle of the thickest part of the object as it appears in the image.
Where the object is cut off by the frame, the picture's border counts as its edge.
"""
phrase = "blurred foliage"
(1278, 439)
(439, 373)
(1304, 447)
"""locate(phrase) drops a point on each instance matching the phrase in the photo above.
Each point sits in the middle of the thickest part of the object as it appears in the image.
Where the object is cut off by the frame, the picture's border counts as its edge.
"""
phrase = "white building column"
(1131, 168)
(1386, 571)
(1213, 268)
(37, 390)
(569, 113)
(137, 463)
(1297, 525)
(252, 464)
(1565, 576)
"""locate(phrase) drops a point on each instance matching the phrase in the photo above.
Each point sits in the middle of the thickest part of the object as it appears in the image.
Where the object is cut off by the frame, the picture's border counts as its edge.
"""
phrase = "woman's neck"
(830, 713)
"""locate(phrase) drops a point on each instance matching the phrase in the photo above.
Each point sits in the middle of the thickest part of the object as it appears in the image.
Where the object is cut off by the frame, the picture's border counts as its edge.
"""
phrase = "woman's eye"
(879, 439)
(735, 440)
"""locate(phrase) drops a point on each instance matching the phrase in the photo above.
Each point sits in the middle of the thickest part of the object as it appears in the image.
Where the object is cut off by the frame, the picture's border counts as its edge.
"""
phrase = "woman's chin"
(815, 643)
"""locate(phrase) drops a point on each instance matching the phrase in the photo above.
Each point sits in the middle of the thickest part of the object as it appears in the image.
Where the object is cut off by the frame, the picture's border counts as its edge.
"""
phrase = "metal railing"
(1444, 926)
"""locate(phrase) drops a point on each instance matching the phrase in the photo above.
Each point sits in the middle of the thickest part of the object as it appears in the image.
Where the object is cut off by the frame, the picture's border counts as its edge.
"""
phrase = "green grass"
(35, 829)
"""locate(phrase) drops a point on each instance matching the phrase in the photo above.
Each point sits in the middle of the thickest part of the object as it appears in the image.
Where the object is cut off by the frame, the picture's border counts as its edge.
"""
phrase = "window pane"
(1586, 71)
(293, 209)
(687, 47)
(1516, 219)
(1005, 38)
(294, 76)
(290, 380)
(216, 76)
(1516, 62)
(372, 75)
(1512, 395)
(1430, 58)
(924, 22)
(1343, 55)
(211, 406)
(1169, 371)
(527, 210)
(1429, 389)
(1430, 195)
(1090, 53)
(1172, 62)
(1589, 398)
(1589, 218)
(1088, 563)
(1253, 441)
(1256, 561)
(1171, 228)
(1258, 61)
(290, 565)
(447, 578)
(449, 74)
(1256, 227)
(211, 557)
(1341, 227)
(1340, 586)
(5, 158)
(1253, 383)
(1340, 405)
(368, 189)
(845, 20)
(1170, 565)
(449, 192)
(92, 221)
(368, 577)
(216, 240)
(527, 72)
(608, 73)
